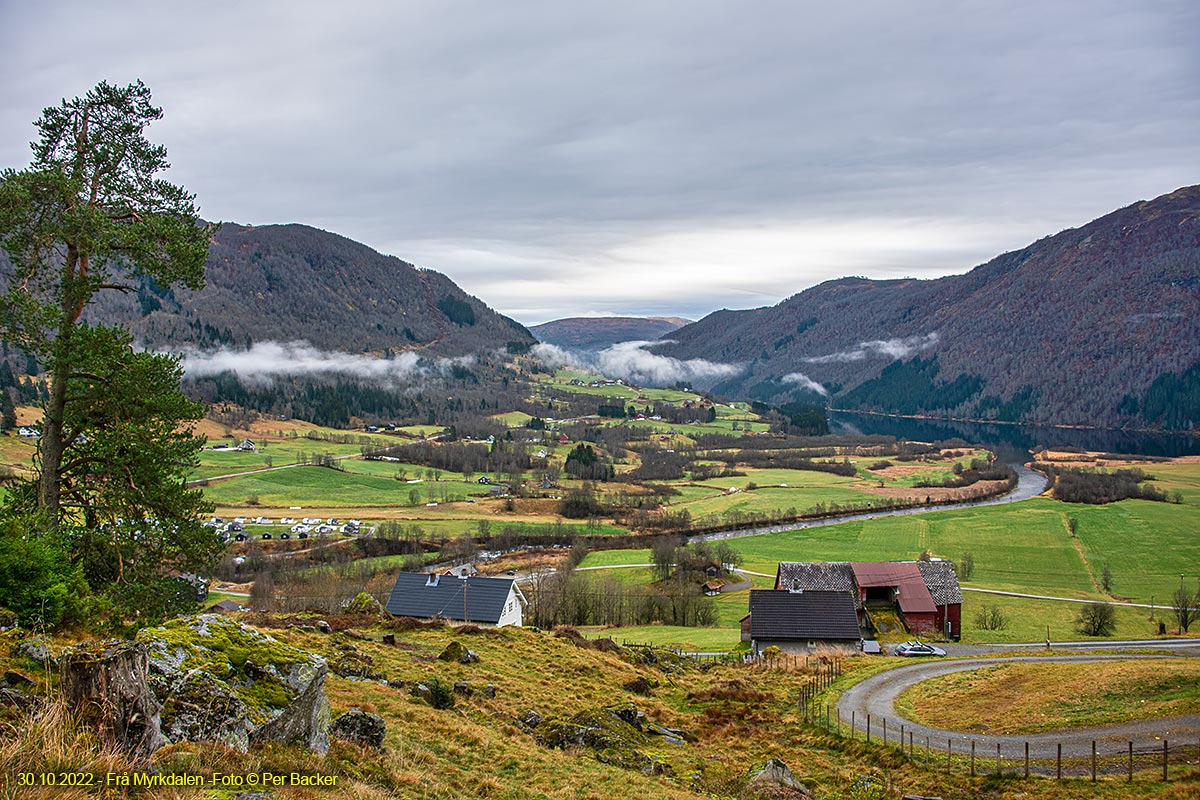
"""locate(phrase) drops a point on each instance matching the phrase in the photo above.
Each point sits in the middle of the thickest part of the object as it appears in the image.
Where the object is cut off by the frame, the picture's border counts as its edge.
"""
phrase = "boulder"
(261, 688)
(531, 719)
(199, 708)
(774, 773)
(324, 627)
(107, 684)
(455, 651)
(360, 727)
(305, 721)
(605, 732)
(38, 649)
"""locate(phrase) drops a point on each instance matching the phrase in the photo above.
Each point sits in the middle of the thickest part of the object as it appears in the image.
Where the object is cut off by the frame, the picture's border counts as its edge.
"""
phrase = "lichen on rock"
(254, 680)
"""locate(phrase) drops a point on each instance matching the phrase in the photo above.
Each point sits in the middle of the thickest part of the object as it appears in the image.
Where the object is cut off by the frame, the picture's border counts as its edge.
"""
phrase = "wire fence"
(1145, 758)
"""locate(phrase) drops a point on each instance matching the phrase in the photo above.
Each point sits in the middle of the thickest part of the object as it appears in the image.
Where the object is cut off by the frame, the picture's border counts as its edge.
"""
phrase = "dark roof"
(226, 605)
(821, 576)
(777, 615)
(942, 581)
(911, 593)
(420, 595)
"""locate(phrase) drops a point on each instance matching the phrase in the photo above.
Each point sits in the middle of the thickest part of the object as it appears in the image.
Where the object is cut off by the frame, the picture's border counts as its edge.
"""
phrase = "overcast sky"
(562, 159)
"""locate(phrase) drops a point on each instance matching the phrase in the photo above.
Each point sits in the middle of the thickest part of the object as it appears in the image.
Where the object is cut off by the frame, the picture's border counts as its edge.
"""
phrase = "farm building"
(926, 594)
(801, 621)
(481, 601)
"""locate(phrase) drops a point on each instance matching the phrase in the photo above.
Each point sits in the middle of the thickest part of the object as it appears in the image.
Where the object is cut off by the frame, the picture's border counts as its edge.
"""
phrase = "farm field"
(1022, 547)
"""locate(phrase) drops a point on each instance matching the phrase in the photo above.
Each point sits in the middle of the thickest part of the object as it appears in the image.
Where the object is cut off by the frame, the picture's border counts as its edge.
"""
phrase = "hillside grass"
(1014, 699)
(735, 716)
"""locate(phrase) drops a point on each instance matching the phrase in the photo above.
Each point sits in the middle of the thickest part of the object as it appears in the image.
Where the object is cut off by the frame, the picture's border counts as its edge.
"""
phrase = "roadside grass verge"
(1008, 699)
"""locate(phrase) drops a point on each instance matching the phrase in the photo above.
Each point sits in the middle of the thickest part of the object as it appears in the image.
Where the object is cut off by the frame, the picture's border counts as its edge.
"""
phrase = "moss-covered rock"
(613, 734)
(255, 679)
(200, 708)
(364, 603)
(457, 652)
(360, 727)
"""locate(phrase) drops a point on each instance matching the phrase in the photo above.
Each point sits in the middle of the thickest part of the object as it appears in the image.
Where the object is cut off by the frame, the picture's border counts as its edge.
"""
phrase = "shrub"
(991, 618)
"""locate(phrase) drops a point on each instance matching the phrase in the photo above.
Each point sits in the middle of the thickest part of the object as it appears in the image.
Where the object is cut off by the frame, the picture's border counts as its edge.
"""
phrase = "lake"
(1012, 443)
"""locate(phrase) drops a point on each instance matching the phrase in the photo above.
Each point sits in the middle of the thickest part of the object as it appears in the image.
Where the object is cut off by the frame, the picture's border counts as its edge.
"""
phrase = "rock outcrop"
(222, 681)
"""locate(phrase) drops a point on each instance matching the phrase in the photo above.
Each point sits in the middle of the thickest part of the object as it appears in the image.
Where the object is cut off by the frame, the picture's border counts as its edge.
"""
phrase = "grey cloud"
(590, 134)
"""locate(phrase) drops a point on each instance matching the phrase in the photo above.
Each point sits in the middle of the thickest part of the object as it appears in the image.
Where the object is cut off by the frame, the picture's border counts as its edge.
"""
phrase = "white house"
(493, 602)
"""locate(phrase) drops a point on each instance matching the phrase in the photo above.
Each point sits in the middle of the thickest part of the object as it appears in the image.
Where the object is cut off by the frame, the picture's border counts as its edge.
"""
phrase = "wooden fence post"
(1130, 780)
(972, 758)
(1164, 759)
(869, 729)
(1027, 761)
(948, 741)
(1058, 769)
(1093, 760)
(999, 770)
(926, 752)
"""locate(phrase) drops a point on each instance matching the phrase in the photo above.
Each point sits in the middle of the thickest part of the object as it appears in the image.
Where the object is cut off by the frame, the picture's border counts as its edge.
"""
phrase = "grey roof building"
(483, 601)
(802, 620)
(942, 581)
(821, 576)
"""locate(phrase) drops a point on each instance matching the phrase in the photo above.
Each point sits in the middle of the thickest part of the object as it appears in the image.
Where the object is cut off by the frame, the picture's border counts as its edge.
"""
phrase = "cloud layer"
(631, 361)
(890, 349)
(266, 361)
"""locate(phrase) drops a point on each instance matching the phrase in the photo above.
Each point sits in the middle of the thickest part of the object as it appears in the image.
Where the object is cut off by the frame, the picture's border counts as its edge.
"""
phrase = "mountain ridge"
(597, 333)
(292, 282)
(1076, 328)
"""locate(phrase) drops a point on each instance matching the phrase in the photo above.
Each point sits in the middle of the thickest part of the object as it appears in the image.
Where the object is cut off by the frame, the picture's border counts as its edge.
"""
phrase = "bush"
(37, 580)
(441, 694)
(991, 618)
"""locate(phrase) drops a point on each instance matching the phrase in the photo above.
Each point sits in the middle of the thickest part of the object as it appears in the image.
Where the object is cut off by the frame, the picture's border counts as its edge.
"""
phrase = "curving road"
(877, 696)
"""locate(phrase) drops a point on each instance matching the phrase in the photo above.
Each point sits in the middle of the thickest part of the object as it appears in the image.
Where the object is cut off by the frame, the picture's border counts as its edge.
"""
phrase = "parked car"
(285, 535)
(918, 649)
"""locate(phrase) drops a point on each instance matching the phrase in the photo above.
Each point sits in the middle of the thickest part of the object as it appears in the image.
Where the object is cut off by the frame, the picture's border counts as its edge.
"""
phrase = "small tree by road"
(1096, 619)
(1186, 607)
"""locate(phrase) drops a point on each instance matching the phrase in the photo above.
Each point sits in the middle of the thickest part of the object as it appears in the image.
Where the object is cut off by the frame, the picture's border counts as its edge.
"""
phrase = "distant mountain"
(291, 282)
(1098, 325)
(597, 333)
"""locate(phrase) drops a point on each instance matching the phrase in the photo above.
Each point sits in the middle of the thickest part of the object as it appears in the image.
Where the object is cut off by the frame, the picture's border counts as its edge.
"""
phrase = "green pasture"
(1146, 545)
(310, 486)
(1028, 619)
(1184, 478)
(672, 636)
(771, 499)
(512, 419)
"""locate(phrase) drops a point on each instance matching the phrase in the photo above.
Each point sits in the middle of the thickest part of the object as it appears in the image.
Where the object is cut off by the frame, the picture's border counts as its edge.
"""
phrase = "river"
(1011, 443)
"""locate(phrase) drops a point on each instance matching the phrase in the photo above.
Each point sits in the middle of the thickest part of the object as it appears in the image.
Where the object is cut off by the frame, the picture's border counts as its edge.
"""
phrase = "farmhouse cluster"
(838, 604)
(829, 604)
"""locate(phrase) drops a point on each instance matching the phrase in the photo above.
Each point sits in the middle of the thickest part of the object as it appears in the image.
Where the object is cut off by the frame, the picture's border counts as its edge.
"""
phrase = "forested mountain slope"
(597, 333)
(1098, 325)
(294, 282)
